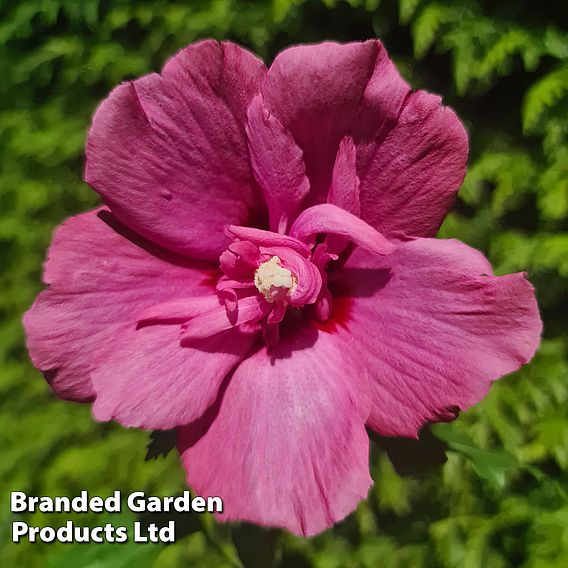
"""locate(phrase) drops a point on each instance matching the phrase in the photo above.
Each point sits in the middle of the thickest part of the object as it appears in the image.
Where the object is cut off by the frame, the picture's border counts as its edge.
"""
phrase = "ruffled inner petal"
(278, 165)
(329, 219)
(321, 93)
(249, 309)
(267, 238)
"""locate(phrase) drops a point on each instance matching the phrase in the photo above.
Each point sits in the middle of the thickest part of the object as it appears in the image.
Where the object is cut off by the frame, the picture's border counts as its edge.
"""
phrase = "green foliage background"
(494, 495)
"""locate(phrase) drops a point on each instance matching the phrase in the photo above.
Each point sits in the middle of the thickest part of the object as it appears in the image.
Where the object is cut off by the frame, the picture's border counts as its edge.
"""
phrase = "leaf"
(490, 465)
(427, 25)
(407, 8)
(543, 95)
(391, 490)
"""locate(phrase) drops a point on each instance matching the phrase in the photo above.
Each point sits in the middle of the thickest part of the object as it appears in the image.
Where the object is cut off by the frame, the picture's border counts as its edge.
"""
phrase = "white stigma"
(274, 281)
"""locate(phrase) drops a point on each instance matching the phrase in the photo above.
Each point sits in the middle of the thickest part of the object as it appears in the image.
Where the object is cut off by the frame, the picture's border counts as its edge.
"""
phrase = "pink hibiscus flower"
(262, 275)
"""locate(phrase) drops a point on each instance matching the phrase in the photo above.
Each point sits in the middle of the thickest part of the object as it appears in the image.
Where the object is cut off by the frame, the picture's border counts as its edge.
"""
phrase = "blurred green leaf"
(491, 465)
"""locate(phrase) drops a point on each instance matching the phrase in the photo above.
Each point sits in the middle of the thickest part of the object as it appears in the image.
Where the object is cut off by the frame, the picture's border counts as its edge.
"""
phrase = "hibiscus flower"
(263, 276)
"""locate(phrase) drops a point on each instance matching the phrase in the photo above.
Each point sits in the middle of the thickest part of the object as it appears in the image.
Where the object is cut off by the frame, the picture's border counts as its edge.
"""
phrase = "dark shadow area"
(412, 457)
(256, 546)
(358, 282)
(161, 443)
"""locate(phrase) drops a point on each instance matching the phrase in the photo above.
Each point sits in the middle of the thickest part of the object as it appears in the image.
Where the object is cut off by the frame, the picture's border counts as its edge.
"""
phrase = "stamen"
(274, 281)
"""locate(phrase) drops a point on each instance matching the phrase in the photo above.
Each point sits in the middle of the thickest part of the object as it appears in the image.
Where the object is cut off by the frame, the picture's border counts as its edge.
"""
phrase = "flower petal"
(278, 166)
(248, 309)
(267, 239)
(320, 93)
(150, 381)
(327, 218)
(102, 279)
(240, 260)
(410, 178)
(435, 329)
(287, 445)
(344, 189)
(168, 152)
(177, 311)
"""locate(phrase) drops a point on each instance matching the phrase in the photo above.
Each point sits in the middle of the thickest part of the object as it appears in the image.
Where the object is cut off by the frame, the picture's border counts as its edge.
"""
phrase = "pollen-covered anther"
(274, 281)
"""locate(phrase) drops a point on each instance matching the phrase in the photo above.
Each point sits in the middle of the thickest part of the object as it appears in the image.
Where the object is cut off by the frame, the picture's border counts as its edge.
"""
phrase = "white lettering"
(198, 504)
(96, 504)
(19, 528)
(18, 503)
(136, 502)
(137, 533)
(214, 504)
(112, 503)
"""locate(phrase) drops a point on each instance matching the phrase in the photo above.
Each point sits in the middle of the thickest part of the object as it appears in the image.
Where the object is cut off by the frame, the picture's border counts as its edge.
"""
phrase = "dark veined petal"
(321, 93)
(409, 180)
(168, 152)
(286, 444)
(433, 328)
(84, 332)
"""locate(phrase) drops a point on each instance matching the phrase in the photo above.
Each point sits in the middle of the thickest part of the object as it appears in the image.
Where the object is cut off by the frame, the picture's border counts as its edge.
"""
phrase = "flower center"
(274, 281)
(265, 274)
